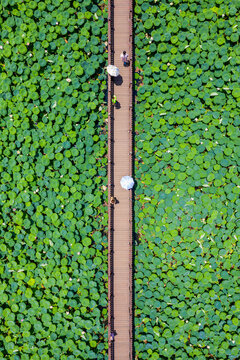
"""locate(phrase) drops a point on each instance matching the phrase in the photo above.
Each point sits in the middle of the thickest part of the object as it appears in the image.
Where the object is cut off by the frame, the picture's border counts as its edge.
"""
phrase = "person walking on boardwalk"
(124, 57)
(113, 200)
(112, 335)
(114, 99)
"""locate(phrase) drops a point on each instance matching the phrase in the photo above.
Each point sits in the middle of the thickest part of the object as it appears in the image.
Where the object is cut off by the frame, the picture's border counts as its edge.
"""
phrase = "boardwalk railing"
(131, 174)
(110, 181)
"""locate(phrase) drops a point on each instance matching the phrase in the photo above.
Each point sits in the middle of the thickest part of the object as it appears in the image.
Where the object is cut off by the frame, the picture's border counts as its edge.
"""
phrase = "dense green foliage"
(53, 244)
(187, 165)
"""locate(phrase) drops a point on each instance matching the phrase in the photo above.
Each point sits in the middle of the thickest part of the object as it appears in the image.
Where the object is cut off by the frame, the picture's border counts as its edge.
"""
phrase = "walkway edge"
(110, 184)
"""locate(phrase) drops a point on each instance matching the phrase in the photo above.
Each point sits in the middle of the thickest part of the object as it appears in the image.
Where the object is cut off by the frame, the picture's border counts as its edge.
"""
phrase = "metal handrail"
(110, 187)
(131, 174)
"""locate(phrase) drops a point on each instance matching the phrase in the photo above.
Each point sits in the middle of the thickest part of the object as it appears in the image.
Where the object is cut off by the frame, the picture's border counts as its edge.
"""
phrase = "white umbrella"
(113, 70)
(127, 182)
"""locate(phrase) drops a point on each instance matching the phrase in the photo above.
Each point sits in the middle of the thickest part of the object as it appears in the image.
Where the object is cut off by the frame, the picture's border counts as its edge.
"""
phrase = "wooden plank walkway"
(120, 164)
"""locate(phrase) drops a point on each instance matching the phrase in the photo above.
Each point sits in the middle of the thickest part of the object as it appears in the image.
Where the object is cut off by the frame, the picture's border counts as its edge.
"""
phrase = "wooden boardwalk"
(120, 164)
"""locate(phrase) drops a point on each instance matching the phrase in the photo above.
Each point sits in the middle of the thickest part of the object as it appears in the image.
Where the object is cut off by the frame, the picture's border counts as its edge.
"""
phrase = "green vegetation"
(187, 164)
(53, 240)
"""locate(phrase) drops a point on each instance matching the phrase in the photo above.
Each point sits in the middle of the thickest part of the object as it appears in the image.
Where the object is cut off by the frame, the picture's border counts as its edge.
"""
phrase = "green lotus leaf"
(236, 92)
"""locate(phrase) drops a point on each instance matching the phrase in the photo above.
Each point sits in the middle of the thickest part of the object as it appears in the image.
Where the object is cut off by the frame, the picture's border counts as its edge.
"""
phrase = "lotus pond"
(53, 242)
(187, 274)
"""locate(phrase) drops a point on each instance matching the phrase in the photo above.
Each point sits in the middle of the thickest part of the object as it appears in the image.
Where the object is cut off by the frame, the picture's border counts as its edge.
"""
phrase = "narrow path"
(120, 164)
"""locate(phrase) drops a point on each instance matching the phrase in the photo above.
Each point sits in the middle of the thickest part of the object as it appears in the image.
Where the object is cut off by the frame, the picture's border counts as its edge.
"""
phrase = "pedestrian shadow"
(118, 80)
(118, 105)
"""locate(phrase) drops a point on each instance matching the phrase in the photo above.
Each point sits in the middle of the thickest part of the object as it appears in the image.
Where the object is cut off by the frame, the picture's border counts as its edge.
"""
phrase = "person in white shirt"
(124, 57)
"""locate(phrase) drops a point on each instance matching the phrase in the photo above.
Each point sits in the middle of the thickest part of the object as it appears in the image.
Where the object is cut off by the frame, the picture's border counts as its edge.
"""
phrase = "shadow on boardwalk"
(117, 105)
(118, 80)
